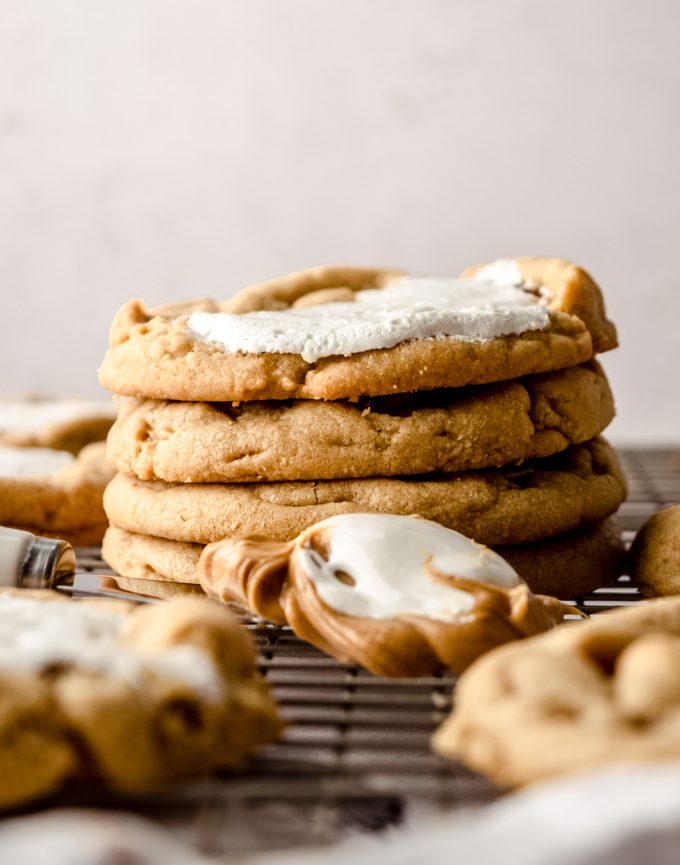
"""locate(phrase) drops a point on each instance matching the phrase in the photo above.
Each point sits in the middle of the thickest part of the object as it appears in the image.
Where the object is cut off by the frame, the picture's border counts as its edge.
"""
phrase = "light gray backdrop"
(169, 148)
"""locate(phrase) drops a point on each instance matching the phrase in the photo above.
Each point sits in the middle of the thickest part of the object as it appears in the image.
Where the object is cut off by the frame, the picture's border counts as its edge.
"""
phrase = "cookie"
(562, 493)
(144, 557)
(400, 596)
(123, 695)
(655, 554)
(570, 565)
(342, 333)
(51, 492)
(62, 424)
(161, 589)
(447, 430)
(584, 695)
(566, 566)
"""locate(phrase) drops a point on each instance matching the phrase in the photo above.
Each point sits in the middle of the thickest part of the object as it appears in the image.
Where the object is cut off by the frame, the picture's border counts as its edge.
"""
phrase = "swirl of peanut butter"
(400, 596)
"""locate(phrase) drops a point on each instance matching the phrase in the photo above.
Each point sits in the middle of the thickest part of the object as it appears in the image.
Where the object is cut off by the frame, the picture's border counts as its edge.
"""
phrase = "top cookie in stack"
(344, 389)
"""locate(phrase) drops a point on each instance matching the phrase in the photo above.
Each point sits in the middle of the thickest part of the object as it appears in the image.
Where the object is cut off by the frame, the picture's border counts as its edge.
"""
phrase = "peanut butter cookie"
(431, 431)
(655, 554)
(584, 695)
(127, 696)
(568, 491)
(51, 492)
(343, 333)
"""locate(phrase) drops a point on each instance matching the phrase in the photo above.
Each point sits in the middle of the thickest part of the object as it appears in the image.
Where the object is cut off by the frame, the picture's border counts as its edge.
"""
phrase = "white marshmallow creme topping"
(22, 463)
(387, 558)
(37, 634)
(492, 304)
(21, 417)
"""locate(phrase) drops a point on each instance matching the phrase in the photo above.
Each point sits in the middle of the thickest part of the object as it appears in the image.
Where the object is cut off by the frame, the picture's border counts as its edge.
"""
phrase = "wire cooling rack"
(356, 752)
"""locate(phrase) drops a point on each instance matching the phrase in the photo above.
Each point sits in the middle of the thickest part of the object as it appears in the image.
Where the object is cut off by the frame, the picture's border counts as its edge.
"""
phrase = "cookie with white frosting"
(127, 696)
(337, 333)
(399, 595)
(62, 424)
(606, 691)
(431, 431)
(51, 492)
(576, 488)
(566, 566)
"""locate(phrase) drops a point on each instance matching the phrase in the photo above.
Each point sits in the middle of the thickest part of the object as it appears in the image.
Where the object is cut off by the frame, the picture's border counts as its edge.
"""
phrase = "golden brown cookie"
(127, 696)
(62, 424)
(399, 595)
(581, 486)
(448, 430)
(565, 566)
(584, 695)
(154, 353)
(52, 493)
(655, 554)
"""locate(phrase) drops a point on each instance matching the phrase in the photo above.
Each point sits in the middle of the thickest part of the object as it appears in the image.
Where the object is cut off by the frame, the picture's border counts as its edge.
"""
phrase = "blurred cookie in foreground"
(62, 424)
(124, 695)
(655, 554)
(401, 596)
(51, 492)
(605, 691)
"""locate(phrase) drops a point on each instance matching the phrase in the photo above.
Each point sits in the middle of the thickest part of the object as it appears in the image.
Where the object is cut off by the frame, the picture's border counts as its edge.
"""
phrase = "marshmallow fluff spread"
(386, 556)
(16, 462)
(36, 634)
(32, 416)
(495, 303)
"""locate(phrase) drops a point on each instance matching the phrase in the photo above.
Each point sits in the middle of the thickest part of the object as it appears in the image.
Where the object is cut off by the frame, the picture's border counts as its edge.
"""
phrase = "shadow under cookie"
(565, 566)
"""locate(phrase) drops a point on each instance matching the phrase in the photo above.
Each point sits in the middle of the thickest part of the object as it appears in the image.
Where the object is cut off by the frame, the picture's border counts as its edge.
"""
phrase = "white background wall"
(169, 148)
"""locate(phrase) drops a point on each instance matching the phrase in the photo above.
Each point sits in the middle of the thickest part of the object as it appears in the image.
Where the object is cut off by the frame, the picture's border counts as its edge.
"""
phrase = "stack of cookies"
(474, 401)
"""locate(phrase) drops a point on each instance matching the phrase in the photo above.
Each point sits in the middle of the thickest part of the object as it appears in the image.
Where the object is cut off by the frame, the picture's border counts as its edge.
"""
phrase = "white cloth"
(626, 816)
(90, 838)
(621, 816)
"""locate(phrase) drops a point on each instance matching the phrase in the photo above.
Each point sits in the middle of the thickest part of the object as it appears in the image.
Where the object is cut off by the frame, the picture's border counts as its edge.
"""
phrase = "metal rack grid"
(356, 752)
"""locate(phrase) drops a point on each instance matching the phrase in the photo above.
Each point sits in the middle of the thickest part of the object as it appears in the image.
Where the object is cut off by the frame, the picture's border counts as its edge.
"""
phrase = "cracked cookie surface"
(448, 430)
(568, 491)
